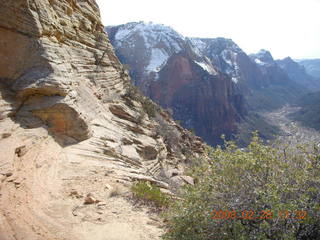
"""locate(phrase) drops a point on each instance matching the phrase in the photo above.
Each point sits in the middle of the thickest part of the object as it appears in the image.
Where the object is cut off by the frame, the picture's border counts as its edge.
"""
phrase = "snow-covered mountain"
(209, 83)
(174, 72)
(269, 68)
(263, 58)
(146, 47)
(221, 52)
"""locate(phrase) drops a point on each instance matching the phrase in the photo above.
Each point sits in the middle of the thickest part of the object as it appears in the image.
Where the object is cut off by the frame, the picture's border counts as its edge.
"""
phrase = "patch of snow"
(157, 59)
(122, 34)
(199, 44)
(206, 67)
(258, 61)
(151, 34)
(156, 78)
(226, 57)
(234, 79)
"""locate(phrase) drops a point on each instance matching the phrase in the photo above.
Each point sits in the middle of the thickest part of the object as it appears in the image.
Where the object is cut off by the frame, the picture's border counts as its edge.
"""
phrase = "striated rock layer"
(71, 134)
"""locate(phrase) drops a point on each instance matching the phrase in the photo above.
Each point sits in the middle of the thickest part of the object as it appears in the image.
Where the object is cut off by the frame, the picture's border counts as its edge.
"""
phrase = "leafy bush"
(148, 192)
(149, 107)
(169, 133)
(309, 114)
(133, 92)
(261, 178)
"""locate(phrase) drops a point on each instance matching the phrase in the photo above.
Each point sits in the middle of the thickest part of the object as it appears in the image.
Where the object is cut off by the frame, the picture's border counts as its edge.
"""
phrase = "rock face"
(298, 74)
(210, 84)
(279, 89)
(173, 72)
(257, 77)
(190, 91)
(228, 58)
(145, 48)
(312, 67)
(68, 124)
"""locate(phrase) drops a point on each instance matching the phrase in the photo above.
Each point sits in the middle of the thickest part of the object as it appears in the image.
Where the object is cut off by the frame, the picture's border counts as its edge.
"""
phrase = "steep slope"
(72, 138)
(181, 78)
(309, 112)
(312, 66)
(226, 56)
(190, 90)
(257, 86)
(145, 47)
(298, 74)
(279, 88)
(258, 77)
(211, 85)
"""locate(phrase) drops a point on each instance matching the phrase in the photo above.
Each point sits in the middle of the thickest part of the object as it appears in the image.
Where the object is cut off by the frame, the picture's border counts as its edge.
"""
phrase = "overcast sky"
(285, 27)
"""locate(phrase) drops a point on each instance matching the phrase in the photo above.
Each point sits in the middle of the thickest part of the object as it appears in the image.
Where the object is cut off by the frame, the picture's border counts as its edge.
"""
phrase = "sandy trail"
(43, 198)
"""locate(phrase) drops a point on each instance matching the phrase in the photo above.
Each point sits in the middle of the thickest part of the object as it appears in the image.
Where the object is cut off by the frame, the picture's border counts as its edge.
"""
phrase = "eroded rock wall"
(69, 132)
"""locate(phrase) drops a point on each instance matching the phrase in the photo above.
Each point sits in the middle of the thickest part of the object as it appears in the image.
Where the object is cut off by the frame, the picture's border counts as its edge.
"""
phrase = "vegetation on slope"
(255, 122)
(149, 193)
(261, 193)
(274, 96)
(309, 114)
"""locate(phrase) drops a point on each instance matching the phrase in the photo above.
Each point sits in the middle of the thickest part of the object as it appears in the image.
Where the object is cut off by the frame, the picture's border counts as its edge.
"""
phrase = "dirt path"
(293, 132)
(43, 192)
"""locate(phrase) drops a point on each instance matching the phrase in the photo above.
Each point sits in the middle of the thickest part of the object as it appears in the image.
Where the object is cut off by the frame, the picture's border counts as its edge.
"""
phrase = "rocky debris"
(8, 174)
(101, 204)
(179, 181)
(6, 135)
(188, 179)
(107, 186)
(74, 193)
(90, 199)
(172, 172)
(21, 151)
(148, 152)
(138, 177)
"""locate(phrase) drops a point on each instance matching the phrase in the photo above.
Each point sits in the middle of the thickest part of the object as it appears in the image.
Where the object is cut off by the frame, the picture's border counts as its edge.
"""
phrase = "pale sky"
(284, 27)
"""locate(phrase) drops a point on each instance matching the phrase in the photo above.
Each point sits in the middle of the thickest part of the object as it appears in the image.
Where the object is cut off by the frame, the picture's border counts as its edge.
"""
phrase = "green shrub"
(150, 107)
(260, 178)
(150, 193)
(170, 134)
(133, 92)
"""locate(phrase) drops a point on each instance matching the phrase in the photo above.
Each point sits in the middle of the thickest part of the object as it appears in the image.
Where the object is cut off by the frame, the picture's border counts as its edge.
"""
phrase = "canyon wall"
(72, 138)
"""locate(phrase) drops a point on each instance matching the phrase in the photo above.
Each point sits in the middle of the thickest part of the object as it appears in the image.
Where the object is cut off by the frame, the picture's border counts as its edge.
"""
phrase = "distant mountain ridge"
(210, 84)
(297, 72)
(312, 66)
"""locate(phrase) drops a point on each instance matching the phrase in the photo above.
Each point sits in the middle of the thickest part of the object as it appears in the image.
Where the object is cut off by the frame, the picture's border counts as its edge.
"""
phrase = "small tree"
(258, 193)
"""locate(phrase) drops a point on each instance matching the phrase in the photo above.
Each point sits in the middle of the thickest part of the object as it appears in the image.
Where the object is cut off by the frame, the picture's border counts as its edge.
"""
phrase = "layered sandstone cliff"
(70, 130)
